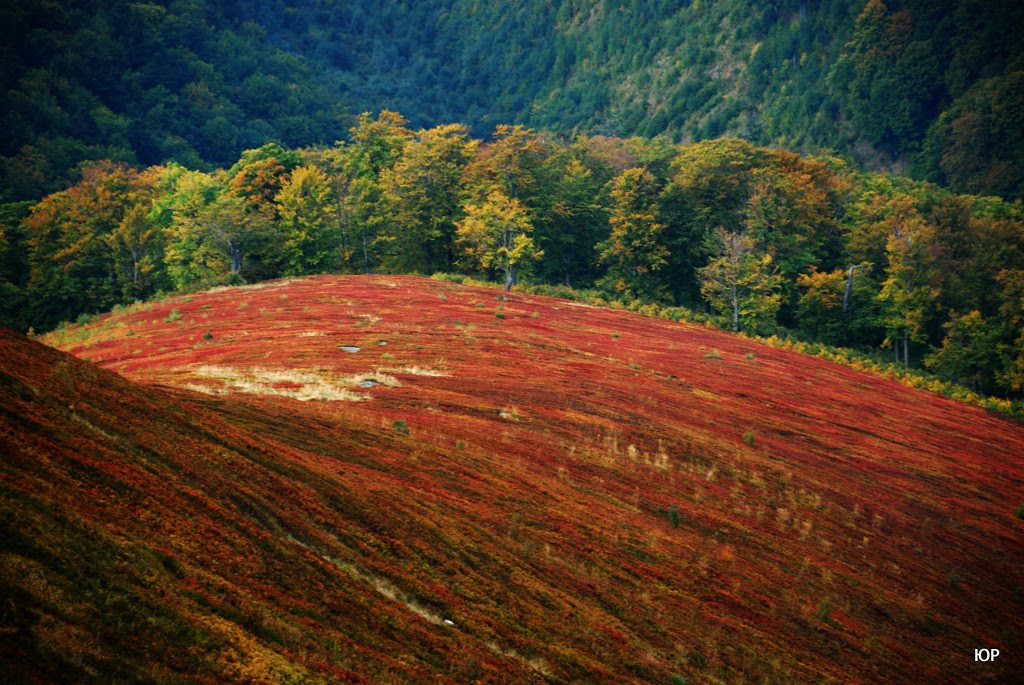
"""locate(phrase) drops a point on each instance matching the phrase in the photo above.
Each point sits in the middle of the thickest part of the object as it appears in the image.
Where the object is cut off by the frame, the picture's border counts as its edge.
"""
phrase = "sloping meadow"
(398, 479)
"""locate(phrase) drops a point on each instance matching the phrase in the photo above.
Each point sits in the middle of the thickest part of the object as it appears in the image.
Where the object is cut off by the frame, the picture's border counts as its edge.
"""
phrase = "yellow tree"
(908, 293)
(839, 307)
(306, 207)
(635, 249)
(496, 233)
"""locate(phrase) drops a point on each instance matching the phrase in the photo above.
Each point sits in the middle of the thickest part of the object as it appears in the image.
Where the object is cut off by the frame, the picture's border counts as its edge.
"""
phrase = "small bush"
(825, 610)
(83, 319)
(615, 335)
(460, 445)
(535, 315)
(173, 316)
(749, 437)
(673, 516)
(450, 278)
(749, 355)
(714, 354)
(401, 426)
(1020, 511)
(207, 335)
(499, 314)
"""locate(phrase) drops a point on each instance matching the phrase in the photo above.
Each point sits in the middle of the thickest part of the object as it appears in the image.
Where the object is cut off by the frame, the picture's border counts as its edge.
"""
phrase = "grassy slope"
(866, 534)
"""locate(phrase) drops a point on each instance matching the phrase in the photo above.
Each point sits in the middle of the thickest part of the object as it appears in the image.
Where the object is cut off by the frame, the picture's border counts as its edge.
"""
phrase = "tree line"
(772, 241)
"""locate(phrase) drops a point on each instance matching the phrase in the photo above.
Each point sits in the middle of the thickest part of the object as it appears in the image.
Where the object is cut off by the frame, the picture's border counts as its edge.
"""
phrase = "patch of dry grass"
(299, 385)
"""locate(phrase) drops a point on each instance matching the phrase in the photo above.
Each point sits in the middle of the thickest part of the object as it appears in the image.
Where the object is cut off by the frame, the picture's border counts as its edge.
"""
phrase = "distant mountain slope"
(403, 479)
(934, 83)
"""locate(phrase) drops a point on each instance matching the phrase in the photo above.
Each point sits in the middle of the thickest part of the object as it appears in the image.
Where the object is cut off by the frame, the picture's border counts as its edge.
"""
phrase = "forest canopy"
(934, 89)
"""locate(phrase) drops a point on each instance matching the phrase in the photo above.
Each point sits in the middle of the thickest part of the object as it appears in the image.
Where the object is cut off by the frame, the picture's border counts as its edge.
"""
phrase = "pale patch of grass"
(309, 385)
(414, 370)
(366, 320)
(205, 389)
(311, 334)
(253, 286)
(377, 376)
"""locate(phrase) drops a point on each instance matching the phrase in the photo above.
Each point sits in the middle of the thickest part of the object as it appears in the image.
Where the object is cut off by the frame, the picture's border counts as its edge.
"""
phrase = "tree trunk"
(906, 352)
(342, 221)
(236, 258)
(735, 313)
(366, 255)
(508, 276)
(135, 270)
(849, 287)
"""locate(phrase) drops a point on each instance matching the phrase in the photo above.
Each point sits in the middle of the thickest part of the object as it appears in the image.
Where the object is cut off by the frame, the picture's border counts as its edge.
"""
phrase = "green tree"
(512, 161)
(376, 145)
(1011, 349)
(968, 353)
(421, 199)
(137, 247)
(908, 293)
(741, 282)
(14, 269)
(213, 232)
(839, 307)
(578, 222)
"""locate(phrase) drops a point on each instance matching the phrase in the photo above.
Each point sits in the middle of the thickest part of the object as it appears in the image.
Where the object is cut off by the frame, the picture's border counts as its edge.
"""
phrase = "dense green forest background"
(935, 89)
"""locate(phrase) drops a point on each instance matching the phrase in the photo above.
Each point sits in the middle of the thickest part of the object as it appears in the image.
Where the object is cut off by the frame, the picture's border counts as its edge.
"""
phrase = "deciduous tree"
(741, 282)
(496, 233)
(635, 251)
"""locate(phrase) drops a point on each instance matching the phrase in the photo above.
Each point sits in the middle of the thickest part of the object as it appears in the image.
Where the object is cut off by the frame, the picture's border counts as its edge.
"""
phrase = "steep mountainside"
(398, 479)
(197, 82)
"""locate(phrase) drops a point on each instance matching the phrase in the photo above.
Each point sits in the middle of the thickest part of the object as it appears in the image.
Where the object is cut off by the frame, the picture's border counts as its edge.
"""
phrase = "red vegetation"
(584, 494)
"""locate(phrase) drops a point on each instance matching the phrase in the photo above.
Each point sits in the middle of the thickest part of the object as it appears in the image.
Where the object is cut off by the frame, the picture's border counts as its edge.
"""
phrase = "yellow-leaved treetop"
(496, 233)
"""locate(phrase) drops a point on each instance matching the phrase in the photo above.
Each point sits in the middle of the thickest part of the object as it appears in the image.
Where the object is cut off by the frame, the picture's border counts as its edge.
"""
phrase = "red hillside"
(395, 479)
